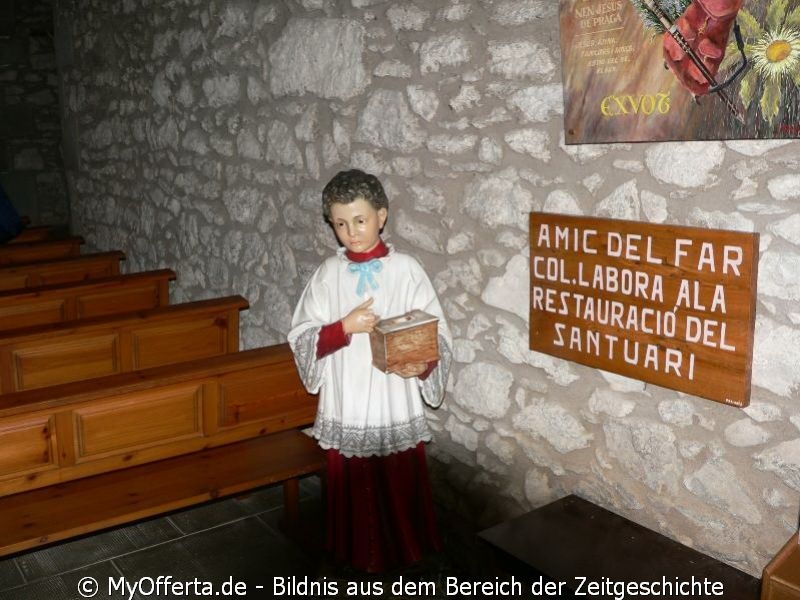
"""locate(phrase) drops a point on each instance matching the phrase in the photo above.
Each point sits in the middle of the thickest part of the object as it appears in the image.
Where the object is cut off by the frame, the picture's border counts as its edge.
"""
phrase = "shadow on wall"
(31, 166)
(479, 504)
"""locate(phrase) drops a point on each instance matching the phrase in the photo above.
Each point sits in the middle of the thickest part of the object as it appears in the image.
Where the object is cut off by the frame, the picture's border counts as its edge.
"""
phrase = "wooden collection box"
(781, 579)
(409, 338)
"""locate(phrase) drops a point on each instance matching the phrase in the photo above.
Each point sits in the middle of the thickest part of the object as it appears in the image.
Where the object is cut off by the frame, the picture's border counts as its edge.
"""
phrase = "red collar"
(379, 251)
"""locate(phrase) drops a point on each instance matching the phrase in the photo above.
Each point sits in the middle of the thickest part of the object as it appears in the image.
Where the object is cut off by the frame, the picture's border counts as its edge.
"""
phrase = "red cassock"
(380, 509)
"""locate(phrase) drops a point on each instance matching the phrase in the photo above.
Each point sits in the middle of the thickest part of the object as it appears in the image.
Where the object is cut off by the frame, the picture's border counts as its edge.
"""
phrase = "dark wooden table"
(782, 574)
(587, 548)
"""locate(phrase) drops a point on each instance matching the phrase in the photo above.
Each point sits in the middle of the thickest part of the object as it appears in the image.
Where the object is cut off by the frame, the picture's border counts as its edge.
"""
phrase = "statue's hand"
(706, 25)
(361, 319)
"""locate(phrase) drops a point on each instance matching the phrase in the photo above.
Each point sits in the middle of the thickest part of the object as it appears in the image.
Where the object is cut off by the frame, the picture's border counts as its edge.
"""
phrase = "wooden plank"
(84, 299)
(241, 395)
(32, 252)
(577, 543)
(157, 343)
(669, 305)
(44, 360)
(115, 422)
(47, 515)
(67, 270)
(29, 444)
(47, 355)
(127, 423)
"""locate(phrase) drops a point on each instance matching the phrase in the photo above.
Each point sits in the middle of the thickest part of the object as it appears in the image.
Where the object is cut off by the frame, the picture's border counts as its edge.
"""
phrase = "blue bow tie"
(365, 272)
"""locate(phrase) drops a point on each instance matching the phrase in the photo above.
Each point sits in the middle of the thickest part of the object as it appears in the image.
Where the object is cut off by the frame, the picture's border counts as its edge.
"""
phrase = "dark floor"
(227, 548)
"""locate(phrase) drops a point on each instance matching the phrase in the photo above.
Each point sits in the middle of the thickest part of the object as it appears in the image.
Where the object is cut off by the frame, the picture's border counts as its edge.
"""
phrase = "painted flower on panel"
(773, 50)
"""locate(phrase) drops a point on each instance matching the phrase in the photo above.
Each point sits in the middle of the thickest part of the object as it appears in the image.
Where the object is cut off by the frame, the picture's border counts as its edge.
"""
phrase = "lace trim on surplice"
(434, 386)
(360, 440)
(309, 367)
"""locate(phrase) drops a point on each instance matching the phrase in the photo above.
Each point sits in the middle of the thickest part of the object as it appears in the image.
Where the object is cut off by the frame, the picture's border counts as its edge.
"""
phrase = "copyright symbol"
(87, 587)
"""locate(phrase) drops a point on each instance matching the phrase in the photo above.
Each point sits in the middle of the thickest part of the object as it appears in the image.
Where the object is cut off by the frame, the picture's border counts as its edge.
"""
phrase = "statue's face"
(357, 224)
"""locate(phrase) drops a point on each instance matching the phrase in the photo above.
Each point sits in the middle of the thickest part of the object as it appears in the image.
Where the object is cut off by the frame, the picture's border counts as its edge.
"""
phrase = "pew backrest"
(32, 252)
(66, 270)
(48, 355)
(35, 234)
(93, 298)
(84, 428)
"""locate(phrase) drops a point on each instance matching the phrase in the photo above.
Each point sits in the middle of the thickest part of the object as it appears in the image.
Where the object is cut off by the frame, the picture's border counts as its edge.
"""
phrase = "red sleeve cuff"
(431, 366)
(331, 338)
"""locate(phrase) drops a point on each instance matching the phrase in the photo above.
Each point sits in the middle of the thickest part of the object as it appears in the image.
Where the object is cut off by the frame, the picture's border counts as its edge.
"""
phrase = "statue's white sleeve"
(435, 384)
(433, 387)
(310, 314)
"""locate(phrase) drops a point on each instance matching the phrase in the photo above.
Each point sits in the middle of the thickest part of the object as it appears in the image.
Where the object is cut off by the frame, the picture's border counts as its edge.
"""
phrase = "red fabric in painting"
(380, 509)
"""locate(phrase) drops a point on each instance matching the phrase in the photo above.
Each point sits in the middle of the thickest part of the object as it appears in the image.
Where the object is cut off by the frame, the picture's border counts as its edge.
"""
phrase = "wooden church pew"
(35, 234)
(65, 270)
(87, 455)
(47, 355)
(67, 302)
(53, 514)
(32, 252)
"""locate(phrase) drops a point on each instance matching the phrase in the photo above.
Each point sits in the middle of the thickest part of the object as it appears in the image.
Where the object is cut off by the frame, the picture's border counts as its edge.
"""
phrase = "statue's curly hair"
(348, 186)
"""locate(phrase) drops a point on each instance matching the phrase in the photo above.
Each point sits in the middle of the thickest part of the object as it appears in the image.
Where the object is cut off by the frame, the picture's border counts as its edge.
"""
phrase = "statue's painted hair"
(348, 186)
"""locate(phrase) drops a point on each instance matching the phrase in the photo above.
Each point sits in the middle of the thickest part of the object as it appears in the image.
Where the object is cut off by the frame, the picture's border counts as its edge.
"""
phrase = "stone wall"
(206, 130)
(31, 168)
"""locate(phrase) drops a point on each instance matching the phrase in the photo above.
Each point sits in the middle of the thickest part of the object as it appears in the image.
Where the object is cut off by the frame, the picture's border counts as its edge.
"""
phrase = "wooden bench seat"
(32, 519)
(66, 270)
(32, 252)
(87, 455)
(98, 297)
(573, 542)
(51, 354)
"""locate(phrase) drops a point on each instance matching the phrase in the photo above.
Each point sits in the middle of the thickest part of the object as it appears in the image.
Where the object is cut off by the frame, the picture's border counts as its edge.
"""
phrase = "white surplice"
(363, 411)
